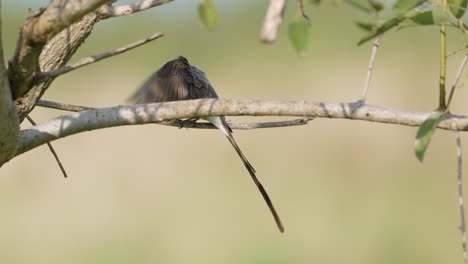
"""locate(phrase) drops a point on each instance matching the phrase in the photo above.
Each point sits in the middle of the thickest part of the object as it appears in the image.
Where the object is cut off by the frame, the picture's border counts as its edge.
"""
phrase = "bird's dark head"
(174, 66)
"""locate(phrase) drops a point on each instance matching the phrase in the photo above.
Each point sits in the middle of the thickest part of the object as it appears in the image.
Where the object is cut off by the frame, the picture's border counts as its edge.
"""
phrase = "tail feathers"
(257, 182)
(221, 124)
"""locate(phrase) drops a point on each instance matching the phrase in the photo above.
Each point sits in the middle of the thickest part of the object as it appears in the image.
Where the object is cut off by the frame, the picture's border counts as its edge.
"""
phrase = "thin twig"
(458, 50)
(57, 159)
(184, 123)
(375, 48)
(460, 195)
(62, 106)
(122, 10)
(303, 11)
(240, 126)
(273, 19)
(44, 76)
(457, 79)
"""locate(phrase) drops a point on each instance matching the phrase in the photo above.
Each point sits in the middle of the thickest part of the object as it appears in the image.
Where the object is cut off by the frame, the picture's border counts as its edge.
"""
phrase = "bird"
(179, 80)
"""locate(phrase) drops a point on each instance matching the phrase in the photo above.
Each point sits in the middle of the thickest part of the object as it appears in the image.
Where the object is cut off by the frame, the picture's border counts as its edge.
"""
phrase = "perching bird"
(178, 80)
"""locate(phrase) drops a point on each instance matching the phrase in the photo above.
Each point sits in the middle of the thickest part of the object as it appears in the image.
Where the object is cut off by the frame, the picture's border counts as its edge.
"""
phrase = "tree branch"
(460, 195)
(239, 126)
(9, 122)
(375, 48)
(42, 77)
(56, 53)
(273, 19)
(62, 106)
(152, 113)
(457, 79)
(122, 10)
(183, 123)
(36, 32)
(52, 150)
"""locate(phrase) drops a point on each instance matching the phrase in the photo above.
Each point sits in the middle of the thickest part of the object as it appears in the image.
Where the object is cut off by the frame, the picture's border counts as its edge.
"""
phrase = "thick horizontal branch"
(186, 123)
(152, 113)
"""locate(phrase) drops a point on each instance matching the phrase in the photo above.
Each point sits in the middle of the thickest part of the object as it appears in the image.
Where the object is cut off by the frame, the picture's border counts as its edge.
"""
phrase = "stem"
(460, 196)
(443, 61)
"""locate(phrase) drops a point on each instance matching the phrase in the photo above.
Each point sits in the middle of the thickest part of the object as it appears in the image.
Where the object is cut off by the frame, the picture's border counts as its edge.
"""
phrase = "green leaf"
(425, 132)
(434, 17)
(376, 5)
(387, 25)
(366, 25)
(457, 7)
(405, 5)
(394, 21)
(208, 14)
(425, 18)
(299, 35)
(358, 4)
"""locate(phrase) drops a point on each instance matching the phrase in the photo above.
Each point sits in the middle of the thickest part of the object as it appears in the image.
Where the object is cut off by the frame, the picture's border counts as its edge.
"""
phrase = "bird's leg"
(183, 122)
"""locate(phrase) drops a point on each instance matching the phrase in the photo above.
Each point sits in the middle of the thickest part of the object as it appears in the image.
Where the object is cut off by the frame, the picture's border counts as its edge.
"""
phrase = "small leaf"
(394, 21)
(208, 14)
(405, 5)
(457, 7)
(360, 5)
(376, 5)
(434, 17)
(387, 25)
(299, 35)
(425, 132)
(366, 25)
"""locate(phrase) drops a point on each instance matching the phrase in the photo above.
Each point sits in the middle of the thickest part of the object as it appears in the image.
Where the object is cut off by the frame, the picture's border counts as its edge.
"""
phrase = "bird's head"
(175, 66)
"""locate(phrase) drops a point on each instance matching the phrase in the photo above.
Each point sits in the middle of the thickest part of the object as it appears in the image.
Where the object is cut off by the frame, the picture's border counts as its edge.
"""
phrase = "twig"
(62, 106)
(375, 48)
(44, 76)
(57, 159)
(273, 19)
(123, 115)
(303, 11)
(122, 10)
(240, 126)
(460, 196)
(457, 79)
(458, 50)
(186, 124)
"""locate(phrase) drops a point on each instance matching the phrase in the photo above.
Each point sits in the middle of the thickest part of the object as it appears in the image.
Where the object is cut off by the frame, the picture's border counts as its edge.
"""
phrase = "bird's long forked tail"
(220, 123)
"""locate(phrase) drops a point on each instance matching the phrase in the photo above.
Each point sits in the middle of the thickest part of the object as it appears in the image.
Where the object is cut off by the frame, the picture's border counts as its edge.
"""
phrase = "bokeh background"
(348, 191)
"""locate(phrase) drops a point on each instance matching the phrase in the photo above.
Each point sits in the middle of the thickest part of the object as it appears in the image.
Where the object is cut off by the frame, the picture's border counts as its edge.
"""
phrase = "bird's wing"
(200, 85)
(157, 89)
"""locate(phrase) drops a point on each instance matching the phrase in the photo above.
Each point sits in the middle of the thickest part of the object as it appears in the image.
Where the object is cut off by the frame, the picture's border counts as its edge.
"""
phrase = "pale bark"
(99, 118)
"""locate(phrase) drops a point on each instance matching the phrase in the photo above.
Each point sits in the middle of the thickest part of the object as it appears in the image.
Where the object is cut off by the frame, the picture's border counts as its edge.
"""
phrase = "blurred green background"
(347, 191)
